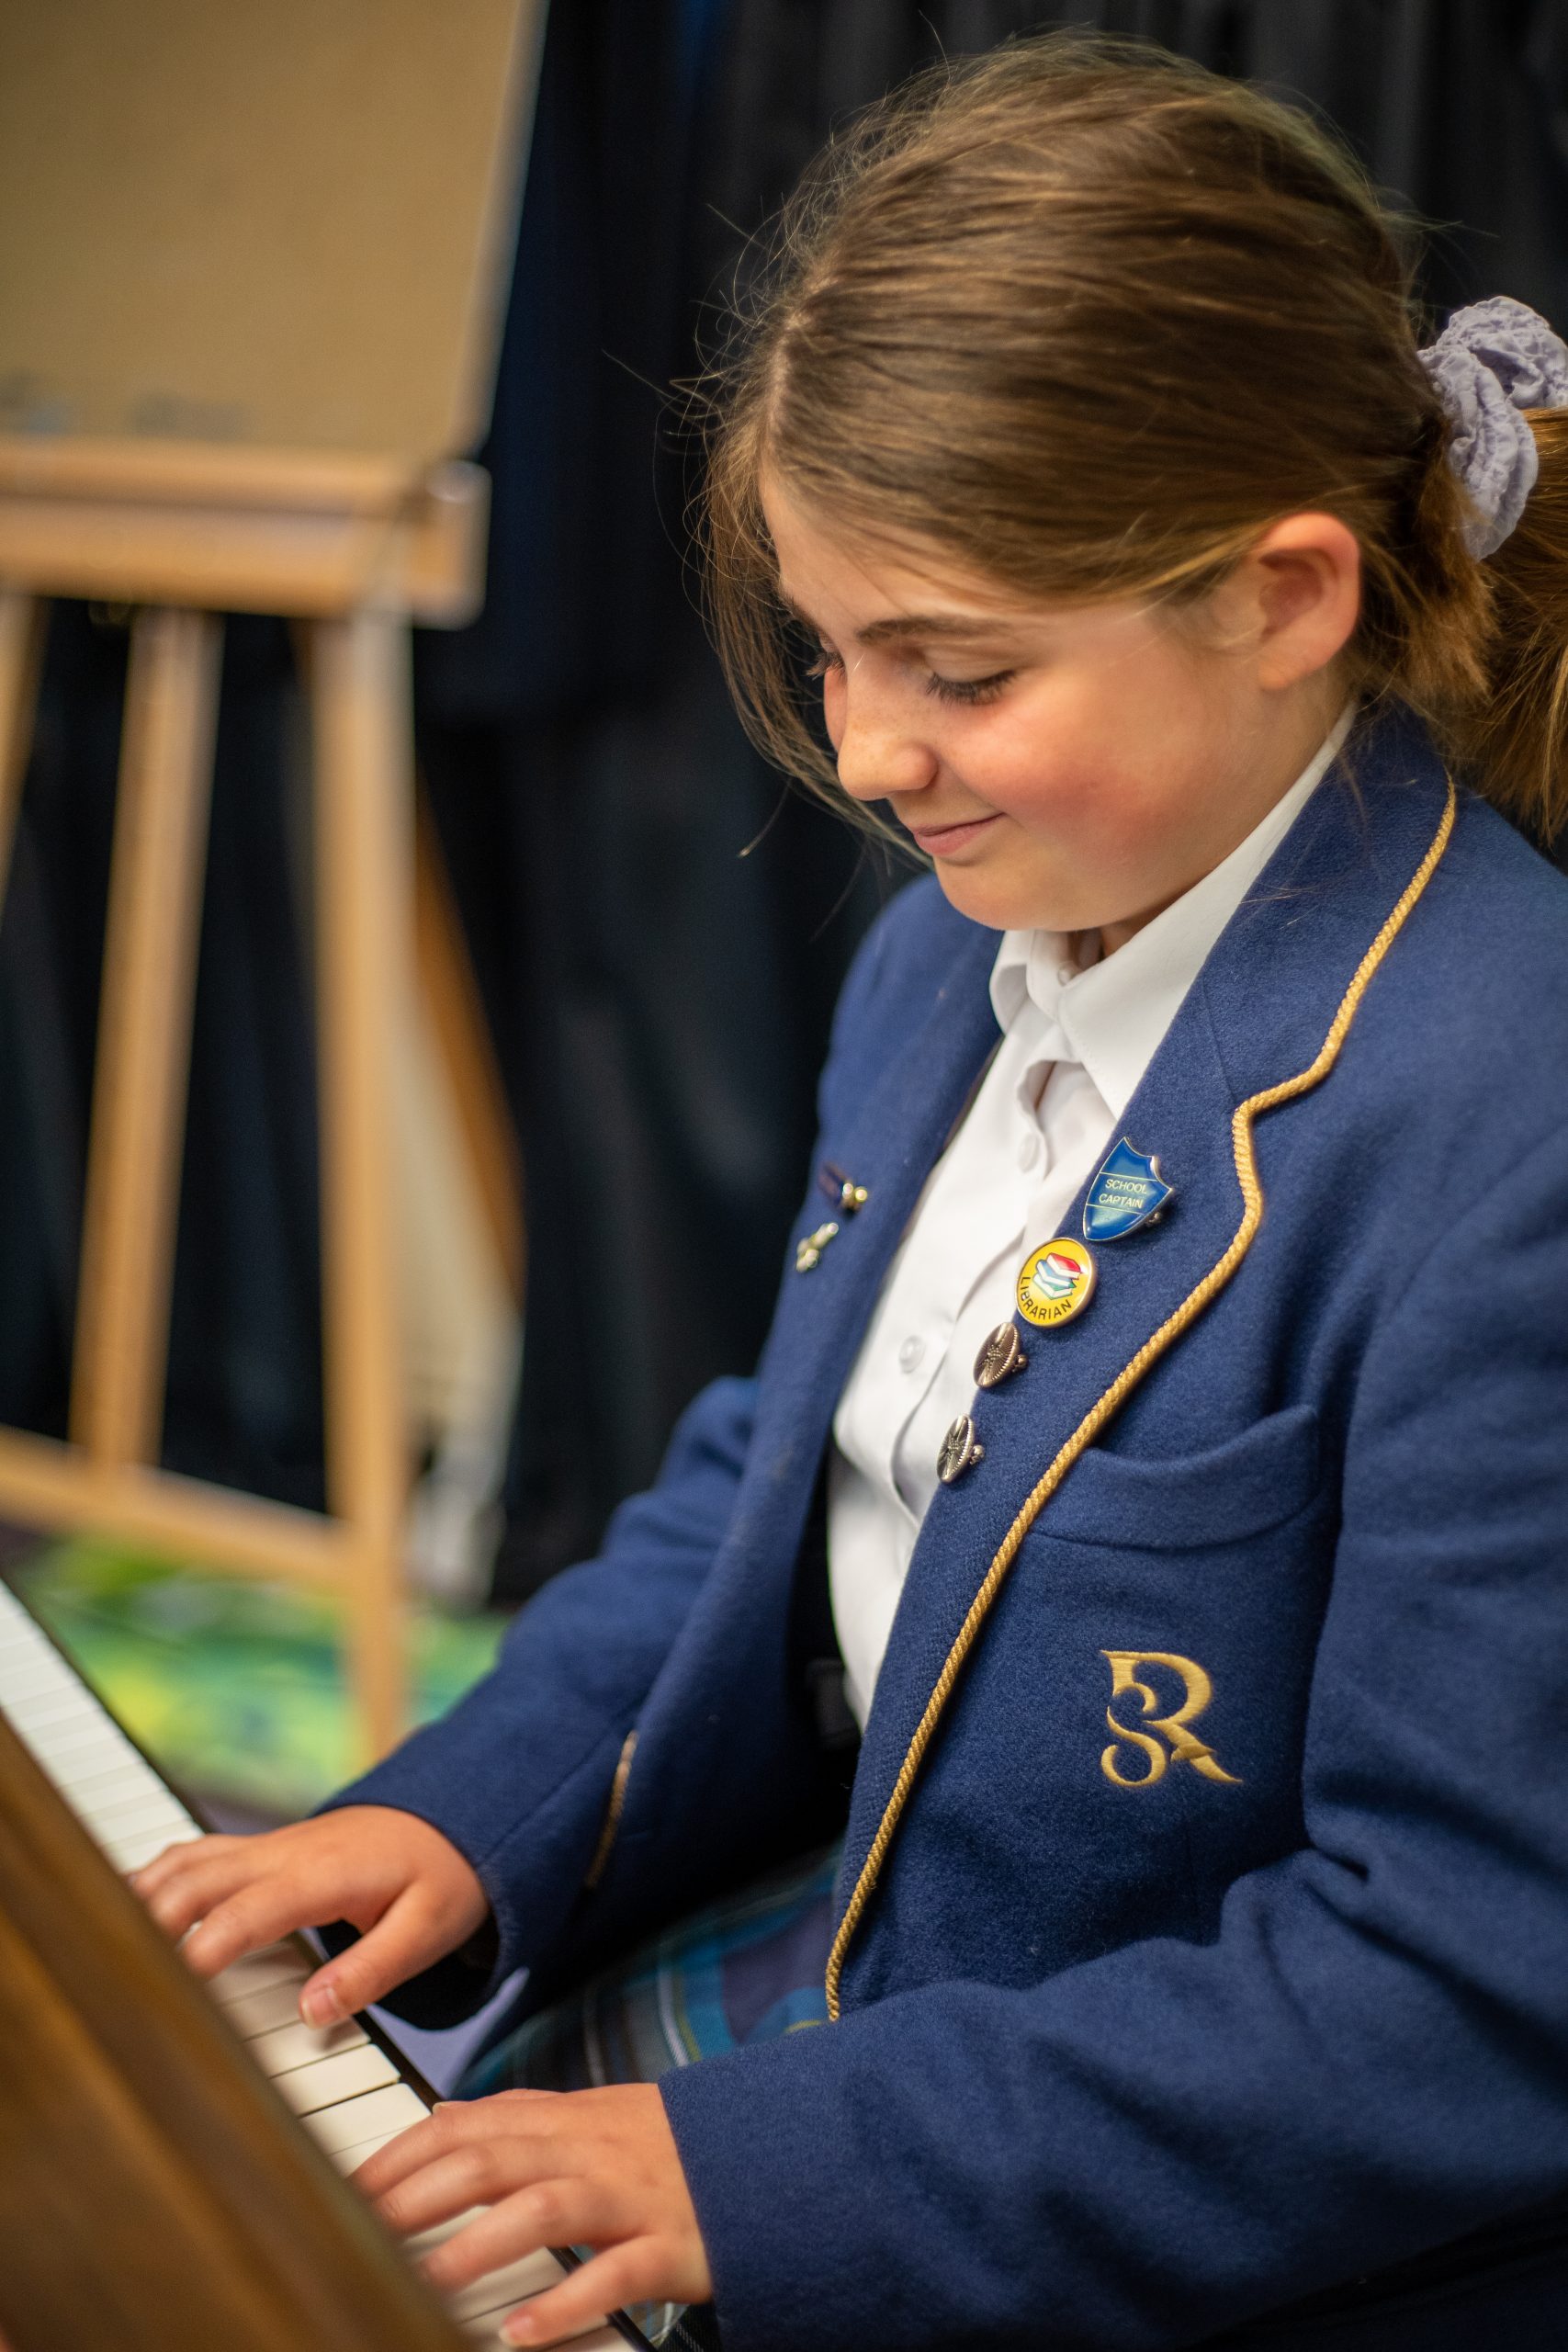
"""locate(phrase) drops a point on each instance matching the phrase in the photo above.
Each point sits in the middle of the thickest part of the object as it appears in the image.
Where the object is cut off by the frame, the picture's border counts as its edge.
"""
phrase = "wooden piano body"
(158, 2192)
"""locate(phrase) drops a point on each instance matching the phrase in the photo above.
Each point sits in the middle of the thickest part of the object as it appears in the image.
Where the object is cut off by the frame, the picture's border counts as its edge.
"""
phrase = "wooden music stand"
(280, 232)
(354, 549)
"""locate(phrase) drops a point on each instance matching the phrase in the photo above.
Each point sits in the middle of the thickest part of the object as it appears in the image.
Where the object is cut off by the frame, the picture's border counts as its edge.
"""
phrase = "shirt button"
(1066, 972)
(1028, 1150)
(911, 1356)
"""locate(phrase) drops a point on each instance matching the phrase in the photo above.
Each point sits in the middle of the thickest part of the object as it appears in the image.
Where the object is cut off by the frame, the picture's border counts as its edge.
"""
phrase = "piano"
(168, 2149)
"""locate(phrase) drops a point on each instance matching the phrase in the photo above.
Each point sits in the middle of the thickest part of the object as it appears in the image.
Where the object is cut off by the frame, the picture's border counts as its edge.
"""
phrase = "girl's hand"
(401, 1882)
(596, 2168)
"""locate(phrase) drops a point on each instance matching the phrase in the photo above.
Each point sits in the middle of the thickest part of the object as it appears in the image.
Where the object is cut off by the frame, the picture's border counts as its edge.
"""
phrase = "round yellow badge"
(1056, 1283)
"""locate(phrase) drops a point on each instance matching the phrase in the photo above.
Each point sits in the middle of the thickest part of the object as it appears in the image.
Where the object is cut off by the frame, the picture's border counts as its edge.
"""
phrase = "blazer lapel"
(892, 1137)
(1257, 1014)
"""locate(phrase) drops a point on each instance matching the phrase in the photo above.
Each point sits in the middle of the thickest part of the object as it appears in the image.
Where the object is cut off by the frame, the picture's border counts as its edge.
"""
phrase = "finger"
(478, 2171)
(178, 1901)
(503, 2115)
(631, 2273)
(553, 2211)
(256, 1915)
(175, 1862)
(403, 1941)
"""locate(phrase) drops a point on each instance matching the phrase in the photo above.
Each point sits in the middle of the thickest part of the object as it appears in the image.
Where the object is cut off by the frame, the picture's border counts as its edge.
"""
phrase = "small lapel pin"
(1001, 1354)
(808, 1252)
(960, 1449)
(1055, 1282)
(841, 1190)
(1129, 1192)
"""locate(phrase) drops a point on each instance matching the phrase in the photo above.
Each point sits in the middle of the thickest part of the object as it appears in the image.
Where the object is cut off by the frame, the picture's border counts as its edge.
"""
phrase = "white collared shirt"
(1077, 1037)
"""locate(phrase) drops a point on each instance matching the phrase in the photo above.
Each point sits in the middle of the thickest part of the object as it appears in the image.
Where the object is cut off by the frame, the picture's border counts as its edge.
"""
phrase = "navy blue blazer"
(1220, 1950)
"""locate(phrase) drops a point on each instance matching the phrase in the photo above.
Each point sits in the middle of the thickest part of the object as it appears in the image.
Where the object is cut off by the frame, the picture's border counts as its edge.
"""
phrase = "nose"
(880, 754)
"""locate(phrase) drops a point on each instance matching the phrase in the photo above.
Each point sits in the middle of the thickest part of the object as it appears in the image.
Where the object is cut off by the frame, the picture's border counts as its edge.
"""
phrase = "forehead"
(840, 580)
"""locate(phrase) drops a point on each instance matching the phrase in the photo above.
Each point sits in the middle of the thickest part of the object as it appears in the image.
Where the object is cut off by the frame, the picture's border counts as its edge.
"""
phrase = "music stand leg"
(143, 1049)
(21, 644)
(362, 711)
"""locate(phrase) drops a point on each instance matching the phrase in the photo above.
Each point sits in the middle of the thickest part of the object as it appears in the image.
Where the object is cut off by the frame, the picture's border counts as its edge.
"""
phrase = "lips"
(942, 841)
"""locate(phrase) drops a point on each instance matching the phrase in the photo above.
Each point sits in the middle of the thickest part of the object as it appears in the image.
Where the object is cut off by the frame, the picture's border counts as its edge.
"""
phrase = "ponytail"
(1514, 738)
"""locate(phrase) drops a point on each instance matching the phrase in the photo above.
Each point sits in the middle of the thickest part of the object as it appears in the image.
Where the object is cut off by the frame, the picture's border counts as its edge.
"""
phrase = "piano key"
(94, 1788)
(373, 2115)
(24, 1675)
(593, 2337)
(417, 2248)
(70, 1747)
(254, 2013)
(121, 1811)
(325, 2081)
(285, 2047)
(349, 2160)
(500, 2290)
(93, 1762)
(279, 1964)
(52, 1707)
(129, 1854)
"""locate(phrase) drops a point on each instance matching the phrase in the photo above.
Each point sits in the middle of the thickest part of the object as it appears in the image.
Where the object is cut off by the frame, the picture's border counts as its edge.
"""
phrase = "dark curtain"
(660, 998)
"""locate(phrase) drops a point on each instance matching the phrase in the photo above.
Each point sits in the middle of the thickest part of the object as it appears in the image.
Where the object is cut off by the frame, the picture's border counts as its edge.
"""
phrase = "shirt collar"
(1114, 1014)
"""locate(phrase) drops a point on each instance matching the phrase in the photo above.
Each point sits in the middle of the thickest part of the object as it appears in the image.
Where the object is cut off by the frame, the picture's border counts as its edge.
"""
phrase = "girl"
(1165, 1405)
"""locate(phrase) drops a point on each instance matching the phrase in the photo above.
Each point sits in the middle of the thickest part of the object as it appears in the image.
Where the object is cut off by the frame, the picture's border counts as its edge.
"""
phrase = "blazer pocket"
(1191, 1502)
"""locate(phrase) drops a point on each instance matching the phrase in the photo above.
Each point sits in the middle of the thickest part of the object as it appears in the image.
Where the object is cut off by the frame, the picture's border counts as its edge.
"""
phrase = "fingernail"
(323, 2005)
(521, 2330)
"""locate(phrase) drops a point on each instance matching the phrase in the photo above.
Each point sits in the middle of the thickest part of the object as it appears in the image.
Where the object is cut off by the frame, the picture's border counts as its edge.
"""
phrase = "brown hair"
(1089, 319)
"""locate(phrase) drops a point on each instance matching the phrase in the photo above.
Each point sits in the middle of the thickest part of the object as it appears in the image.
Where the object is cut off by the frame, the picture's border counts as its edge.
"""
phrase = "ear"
(1301, 589)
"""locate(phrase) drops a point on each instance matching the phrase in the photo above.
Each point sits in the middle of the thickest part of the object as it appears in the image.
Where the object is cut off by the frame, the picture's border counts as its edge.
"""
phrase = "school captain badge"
(1054, 1283)
(1128, 1192)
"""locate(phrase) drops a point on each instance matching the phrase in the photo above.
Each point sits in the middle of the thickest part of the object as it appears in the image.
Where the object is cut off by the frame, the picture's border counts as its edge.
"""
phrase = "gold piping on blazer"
(613, 1811)
(1126, 1380)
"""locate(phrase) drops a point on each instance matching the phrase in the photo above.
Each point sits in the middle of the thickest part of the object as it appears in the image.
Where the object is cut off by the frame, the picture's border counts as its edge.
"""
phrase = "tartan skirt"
(745, 1969)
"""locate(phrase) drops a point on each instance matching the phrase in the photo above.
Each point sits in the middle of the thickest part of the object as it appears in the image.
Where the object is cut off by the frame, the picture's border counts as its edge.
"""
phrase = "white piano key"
(133, 1853)
(349, 2160)
(120, 1812)
(279, 1964)
(417, 2248)
(327, 2080)
(24, 1673)
(500, 2290)
(285, 2047)
(594, 2337)
(373, 2115)
(90, 1789)
(52, 1709)
(69, 1746)
(87, 1763)
(254, 2013)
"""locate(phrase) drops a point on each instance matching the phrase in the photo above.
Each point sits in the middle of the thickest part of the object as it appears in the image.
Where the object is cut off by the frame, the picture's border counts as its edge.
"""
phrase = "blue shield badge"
(1127, 1193)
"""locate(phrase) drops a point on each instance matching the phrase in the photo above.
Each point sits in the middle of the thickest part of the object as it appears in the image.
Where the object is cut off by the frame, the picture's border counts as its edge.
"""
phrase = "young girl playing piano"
(1161, 1449)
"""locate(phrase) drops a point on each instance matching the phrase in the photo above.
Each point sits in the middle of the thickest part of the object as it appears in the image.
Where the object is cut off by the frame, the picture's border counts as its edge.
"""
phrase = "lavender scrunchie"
(1491, 362)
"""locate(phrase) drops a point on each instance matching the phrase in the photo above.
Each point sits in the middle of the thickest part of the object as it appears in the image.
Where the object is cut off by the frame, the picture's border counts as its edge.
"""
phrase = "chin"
(998, 902)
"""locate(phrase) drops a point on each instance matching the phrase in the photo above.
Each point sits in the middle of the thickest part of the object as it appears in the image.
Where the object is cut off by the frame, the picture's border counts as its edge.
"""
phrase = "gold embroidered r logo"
(1197, 1692)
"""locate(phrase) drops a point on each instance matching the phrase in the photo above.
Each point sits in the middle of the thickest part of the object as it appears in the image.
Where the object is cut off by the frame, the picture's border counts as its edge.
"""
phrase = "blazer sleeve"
(1371, 2058)
(519, 1774)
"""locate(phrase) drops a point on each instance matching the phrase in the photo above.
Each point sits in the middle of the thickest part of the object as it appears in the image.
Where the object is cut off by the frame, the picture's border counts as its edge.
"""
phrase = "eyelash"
(968, 691)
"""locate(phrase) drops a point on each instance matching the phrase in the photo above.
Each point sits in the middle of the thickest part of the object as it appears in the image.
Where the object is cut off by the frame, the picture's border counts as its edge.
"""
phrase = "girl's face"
(1070, 767)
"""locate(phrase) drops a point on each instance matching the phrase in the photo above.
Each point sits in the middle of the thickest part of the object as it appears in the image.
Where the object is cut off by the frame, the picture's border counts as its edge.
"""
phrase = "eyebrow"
(946, 627)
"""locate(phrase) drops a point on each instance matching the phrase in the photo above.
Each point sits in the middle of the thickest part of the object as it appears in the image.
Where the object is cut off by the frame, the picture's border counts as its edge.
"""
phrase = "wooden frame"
(355, 548)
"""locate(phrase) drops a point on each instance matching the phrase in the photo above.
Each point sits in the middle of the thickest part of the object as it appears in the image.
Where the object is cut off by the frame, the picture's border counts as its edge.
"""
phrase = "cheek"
(1104, 771)
(834, 697)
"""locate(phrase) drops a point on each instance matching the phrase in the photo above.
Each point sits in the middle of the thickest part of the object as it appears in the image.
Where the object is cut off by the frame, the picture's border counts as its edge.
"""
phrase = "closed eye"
(969, 690)
(956, 690)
